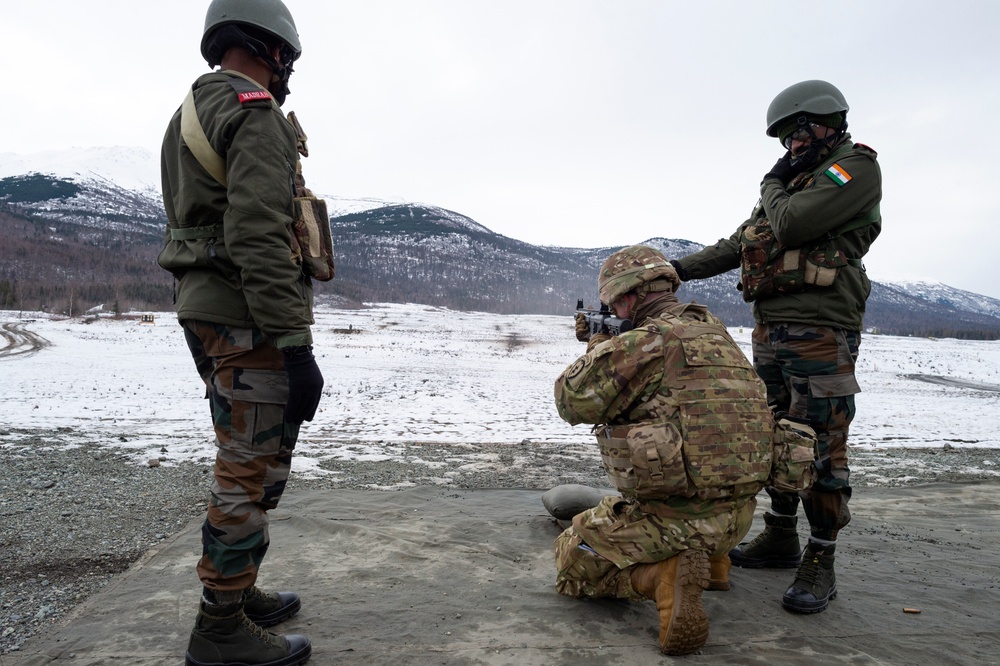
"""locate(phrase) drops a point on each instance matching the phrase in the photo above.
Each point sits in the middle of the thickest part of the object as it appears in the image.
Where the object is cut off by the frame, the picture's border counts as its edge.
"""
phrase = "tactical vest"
(768, 268)
(717, 441)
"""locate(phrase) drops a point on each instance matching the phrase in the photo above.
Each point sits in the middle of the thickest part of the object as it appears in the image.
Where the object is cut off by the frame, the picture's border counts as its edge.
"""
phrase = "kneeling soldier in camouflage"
(685, 435)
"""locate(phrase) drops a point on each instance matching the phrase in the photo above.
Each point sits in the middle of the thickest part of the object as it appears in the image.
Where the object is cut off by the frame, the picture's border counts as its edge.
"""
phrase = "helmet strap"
(817, 146)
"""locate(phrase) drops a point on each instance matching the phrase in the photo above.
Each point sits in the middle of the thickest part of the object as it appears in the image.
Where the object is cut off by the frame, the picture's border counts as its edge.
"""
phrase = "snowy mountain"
(84, 227)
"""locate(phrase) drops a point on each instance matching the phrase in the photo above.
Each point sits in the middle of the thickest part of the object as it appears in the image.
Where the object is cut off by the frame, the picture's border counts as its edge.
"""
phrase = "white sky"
(566, 122)
(417, 375)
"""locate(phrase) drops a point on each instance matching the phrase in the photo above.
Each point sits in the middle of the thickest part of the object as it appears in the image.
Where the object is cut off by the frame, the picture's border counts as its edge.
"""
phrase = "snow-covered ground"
(414, 374)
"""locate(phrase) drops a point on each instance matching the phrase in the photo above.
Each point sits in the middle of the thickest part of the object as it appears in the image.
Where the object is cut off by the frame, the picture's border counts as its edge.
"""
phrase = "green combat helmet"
(806, 98)
(633, 267)
(253, 25)
(271, 16)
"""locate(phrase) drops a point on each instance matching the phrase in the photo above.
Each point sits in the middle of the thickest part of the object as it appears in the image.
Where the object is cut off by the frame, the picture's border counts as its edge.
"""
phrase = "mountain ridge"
(74, 237)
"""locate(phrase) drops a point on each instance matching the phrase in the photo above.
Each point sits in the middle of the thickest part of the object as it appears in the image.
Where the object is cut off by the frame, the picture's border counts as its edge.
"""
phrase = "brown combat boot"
(718, 568)
(676, 586)
(223, 634)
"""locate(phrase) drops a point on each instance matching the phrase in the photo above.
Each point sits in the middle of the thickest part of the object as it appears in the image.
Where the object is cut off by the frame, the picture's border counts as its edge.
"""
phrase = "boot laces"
(256, 594)
(811, 571)
(256, 632)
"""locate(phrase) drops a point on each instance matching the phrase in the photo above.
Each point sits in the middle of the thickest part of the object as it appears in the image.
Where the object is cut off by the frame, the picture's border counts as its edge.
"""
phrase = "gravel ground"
(74, 514)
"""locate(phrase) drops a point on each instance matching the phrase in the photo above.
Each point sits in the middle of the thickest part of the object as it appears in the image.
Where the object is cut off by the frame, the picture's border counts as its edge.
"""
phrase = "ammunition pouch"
(312, 242)
(716, 450)
(793, 467)
(769, 268)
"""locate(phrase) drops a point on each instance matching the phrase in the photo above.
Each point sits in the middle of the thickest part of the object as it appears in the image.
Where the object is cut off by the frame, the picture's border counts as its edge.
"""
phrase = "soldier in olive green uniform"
(228, 161)
(685, 435)
(800, 256)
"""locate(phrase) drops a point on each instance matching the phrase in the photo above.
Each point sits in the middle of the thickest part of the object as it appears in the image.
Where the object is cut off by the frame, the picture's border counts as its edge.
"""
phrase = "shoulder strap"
(194, 136)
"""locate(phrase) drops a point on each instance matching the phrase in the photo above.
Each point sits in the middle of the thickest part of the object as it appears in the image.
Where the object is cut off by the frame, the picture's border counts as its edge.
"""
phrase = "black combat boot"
(269, 608)
(815, 583)
(777, 547)
(224, 635)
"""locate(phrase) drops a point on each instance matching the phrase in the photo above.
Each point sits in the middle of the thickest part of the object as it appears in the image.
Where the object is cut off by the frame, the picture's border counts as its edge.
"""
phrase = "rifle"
(603, 320)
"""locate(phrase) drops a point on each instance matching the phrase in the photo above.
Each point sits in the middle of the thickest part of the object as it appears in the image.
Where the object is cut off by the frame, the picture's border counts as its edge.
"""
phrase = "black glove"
(783, 169)
(305, 385)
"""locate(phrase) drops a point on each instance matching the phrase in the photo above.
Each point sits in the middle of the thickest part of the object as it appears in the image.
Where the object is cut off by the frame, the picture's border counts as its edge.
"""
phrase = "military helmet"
(630, 268)
(812, 98)
(270, 16)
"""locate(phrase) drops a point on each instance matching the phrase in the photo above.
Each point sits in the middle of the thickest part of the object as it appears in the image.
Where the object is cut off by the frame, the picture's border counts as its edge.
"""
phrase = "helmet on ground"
(248, 17)
(819, 101)
(631, 268)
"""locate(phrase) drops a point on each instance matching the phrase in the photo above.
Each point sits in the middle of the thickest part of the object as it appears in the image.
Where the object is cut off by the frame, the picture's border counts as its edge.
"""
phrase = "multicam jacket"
(680, 410)
(230, 246)
(830, 212)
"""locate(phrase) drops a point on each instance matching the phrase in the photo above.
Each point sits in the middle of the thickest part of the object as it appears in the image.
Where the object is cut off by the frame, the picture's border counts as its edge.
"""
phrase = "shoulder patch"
(838, 175)
(248, 92)
(254, 96)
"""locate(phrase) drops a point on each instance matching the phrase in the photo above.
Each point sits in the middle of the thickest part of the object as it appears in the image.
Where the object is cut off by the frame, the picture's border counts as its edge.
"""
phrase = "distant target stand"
(147, 319)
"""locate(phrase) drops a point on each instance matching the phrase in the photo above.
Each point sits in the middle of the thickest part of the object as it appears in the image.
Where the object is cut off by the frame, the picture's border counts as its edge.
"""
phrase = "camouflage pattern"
(700, 447)
(594, 556)
(768, 268)
(633, 267)
(809, 373)
(247, 389)
(697, 421)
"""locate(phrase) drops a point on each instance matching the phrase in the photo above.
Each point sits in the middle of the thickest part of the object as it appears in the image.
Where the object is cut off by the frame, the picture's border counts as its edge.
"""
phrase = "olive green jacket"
(230, 246)
(812, 209)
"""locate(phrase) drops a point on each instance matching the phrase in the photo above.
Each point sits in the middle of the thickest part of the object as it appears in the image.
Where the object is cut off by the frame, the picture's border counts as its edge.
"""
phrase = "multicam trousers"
(595, 555)
(247, 389)
(809, 373)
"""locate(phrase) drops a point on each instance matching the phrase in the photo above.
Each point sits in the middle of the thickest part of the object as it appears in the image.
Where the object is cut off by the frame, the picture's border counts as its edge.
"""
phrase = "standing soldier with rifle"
(800, 256)
(240, 223)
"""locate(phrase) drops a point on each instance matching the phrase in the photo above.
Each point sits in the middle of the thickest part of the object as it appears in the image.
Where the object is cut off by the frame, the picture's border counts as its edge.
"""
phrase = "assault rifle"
(603, 320)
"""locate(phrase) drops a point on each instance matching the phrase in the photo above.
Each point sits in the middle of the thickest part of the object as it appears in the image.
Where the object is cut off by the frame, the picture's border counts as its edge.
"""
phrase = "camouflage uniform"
(680, 373)
(806, 342)
(241, 299)
(247, 391)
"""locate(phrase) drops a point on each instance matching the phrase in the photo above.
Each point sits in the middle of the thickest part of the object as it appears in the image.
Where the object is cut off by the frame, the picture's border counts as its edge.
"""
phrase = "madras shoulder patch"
(838, 175)
(247, 92)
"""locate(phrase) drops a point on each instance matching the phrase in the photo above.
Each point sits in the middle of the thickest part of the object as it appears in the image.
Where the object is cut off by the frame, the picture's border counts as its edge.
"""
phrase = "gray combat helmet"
(271, 16)
(812, 98)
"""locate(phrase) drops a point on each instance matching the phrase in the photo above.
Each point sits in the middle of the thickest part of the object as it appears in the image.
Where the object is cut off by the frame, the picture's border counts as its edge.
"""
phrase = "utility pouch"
(769, 268)
(645, 461)
(312, 242)
(792, 467)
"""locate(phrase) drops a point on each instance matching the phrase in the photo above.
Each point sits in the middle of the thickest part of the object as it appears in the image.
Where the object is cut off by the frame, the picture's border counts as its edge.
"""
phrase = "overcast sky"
(572, 122)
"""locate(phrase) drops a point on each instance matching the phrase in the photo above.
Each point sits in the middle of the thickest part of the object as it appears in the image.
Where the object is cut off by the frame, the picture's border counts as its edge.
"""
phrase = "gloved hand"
(597, 339)
(783, 169)
(582, 330)
(305, 384)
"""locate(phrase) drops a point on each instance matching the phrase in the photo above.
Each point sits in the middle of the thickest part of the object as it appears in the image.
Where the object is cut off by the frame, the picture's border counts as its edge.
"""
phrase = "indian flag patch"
(838, 175)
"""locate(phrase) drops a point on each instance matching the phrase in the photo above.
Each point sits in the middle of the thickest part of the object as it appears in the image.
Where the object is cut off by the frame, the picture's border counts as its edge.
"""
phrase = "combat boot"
(266, 609)
(224, 635)
(718, 572)
(777, 547)
(676, 586)
(815, 583)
